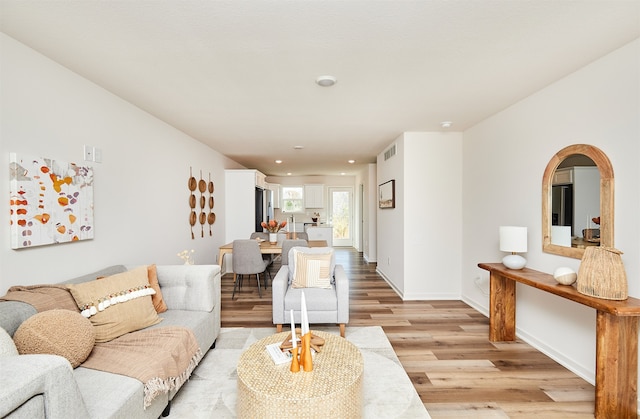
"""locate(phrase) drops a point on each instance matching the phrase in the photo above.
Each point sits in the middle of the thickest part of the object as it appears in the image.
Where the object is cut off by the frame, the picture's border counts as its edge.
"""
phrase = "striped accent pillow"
(312, 270)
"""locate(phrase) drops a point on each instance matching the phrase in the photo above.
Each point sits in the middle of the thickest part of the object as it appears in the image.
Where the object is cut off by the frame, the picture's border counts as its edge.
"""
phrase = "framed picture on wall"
(51, 201)
(387, 194)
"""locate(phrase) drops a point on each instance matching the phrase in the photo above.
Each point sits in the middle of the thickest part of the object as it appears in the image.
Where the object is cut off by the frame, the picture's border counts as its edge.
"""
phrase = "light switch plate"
(97, 155)
(88, 153)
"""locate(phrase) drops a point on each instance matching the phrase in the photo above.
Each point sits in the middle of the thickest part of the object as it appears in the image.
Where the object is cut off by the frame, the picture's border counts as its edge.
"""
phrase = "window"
(292, 199)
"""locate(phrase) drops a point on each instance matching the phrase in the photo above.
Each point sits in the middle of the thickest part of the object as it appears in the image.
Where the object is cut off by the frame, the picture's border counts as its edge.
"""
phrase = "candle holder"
(295, 364)
(306, 359)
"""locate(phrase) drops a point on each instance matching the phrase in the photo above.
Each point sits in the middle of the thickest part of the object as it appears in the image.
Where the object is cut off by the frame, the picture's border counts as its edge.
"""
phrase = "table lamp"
(513, 239)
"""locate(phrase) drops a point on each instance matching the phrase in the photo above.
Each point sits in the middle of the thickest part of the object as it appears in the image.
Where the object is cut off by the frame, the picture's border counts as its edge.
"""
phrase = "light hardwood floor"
(444, 348)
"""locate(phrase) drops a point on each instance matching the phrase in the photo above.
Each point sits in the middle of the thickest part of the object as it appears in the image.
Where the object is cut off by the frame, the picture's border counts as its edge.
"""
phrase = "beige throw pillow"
(158, 301)
(117, 304)
(59, 332)
(313, 270)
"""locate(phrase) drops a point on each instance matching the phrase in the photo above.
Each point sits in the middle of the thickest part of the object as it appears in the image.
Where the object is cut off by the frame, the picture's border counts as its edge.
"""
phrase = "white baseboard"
(578, 369)
(391, 284)
(418, 296)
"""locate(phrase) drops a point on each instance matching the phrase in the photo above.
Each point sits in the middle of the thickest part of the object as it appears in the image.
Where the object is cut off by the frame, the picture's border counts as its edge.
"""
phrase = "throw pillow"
(7, 346)
(117, 304)
(312, 270)
(58, 332)
(312, 250)
(158, 301)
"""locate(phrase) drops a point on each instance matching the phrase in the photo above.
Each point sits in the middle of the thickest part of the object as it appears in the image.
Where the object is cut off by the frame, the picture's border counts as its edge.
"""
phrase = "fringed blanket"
(42, 297)
(161, 358)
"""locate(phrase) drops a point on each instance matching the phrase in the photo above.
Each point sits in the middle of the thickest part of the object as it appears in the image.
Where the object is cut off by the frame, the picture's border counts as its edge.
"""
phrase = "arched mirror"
(577, 201)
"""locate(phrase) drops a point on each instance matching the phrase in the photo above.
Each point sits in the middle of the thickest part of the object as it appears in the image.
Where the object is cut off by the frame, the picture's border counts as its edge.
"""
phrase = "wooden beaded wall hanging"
(202, 187)
(211, 218)
(193, 184)
(203, 218)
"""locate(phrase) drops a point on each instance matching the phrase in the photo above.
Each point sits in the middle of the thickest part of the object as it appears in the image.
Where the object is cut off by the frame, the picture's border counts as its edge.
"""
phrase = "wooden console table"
(616, 334)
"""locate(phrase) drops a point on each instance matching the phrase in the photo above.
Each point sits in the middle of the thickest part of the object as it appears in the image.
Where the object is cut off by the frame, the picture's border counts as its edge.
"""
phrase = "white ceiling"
(239, 75)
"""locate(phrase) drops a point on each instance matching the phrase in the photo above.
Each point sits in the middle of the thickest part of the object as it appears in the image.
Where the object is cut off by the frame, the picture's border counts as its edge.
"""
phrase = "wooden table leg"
(502, 306)
(616, 366)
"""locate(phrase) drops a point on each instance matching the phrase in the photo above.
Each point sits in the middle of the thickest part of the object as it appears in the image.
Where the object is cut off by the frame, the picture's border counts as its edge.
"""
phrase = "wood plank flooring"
(444, 348)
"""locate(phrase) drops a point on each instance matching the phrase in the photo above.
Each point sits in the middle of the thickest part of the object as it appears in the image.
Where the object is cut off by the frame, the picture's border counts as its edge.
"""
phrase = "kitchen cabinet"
(321, 233)
(261, 180)
(275, 194)
(563, 176)
(314, 196)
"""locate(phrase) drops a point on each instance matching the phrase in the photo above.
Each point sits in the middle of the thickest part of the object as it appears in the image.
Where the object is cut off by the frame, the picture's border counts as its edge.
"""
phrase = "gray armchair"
(247, 260)
(323, 305)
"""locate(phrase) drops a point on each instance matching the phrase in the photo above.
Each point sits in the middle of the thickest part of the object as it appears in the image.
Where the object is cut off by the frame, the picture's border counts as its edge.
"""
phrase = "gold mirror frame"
(606, 198)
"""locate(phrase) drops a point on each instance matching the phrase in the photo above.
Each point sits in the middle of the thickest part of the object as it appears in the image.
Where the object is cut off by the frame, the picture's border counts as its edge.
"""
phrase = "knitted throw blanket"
(42, 297)
(161, 358)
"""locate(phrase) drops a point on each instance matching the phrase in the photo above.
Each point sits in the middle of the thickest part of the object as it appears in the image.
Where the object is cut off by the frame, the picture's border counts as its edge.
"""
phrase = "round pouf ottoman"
(56, 332)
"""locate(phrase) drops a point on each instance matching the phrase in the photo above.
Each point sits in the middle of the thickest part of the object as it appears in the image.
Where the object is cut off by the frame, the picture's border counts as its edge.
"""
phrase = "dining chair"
(287, 245)
(263, 236)
(247, 260)
(259, 235)
(302, 236)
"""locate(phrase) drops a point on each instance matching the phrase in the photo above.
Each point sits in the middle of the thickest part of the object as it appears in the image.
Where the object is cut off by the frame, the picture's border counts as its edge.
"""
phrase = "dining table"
(266, 248)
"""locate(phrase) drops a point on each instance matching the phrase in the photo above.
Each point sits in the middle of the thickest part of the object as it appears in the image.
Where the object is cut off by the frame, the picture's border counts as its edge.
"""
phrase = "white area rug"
(211, 390)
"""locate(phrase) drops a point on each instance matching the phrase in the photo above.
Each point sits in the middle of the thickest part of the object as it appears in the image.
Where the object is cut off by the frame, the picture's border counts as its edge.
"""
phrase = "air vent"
(390, 152)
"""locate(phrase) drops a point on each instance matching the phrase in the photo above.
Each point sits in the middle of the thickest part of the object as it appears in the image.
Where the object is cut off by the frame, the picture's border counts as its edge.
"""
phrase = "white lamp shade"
(513, 239)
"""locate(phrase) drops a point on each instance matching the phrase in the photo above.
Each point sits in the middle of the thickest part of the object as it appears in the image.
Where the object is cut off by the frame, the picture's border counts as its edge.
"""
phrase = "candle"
(293, 332)
(304, 322)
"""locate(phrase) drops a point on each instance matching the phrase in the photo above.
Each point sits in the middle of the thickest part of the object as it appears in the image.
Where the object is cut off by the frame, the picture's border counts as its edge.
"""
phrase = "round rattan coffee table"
(332, 390)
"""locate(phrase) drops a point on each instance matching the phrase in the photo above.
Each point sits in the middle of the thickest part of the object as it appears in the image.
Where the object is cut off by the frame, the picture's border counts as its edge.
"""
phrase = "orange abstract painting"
(50, 201)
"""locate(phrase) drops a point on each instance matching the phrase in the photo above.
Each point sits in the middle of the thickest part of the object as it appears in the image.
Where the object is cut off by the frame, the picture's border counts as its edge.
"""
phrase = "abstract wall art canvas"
(51, 201)
(387, 194)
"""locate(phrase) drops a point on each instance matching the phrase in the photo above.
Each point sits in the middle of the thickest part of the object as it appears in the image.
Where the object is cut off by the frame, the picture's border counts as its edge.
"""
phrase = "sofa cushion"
(312, 270)
(317, 299)
(7, 347)
(57, 332)
(310, 250)
(13, 313)
(114, 305)
(156, 299)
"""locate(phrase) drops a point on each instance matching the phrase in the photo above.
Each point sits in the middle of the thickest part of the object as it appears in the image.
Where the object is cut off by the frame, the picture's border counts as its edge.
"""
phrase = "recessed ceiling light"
(342, 174)
(326, 81)
(351, 161)
(446, 124)
(278, 161)
(298, 147)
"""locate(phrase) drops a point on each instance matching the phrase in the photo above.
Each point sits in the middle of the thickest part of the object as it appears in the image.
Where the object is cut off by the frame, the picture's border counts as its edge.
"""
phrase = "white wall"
(504, 160)
(390, 221)
(433, 210)
(140, 190)
(369, 222)
(419, 241)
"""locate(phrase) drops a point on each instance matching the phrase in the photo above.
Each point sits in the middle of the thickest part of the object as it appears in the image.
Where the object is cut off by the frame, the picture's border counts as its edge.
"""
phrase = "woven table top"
(337, 367)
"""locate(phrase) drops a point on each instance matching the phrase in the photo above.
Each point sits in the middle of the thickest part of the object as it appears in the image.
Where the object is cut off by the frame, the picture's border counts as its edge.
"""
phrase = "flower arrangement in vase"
(272, 226)
(187, 256)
